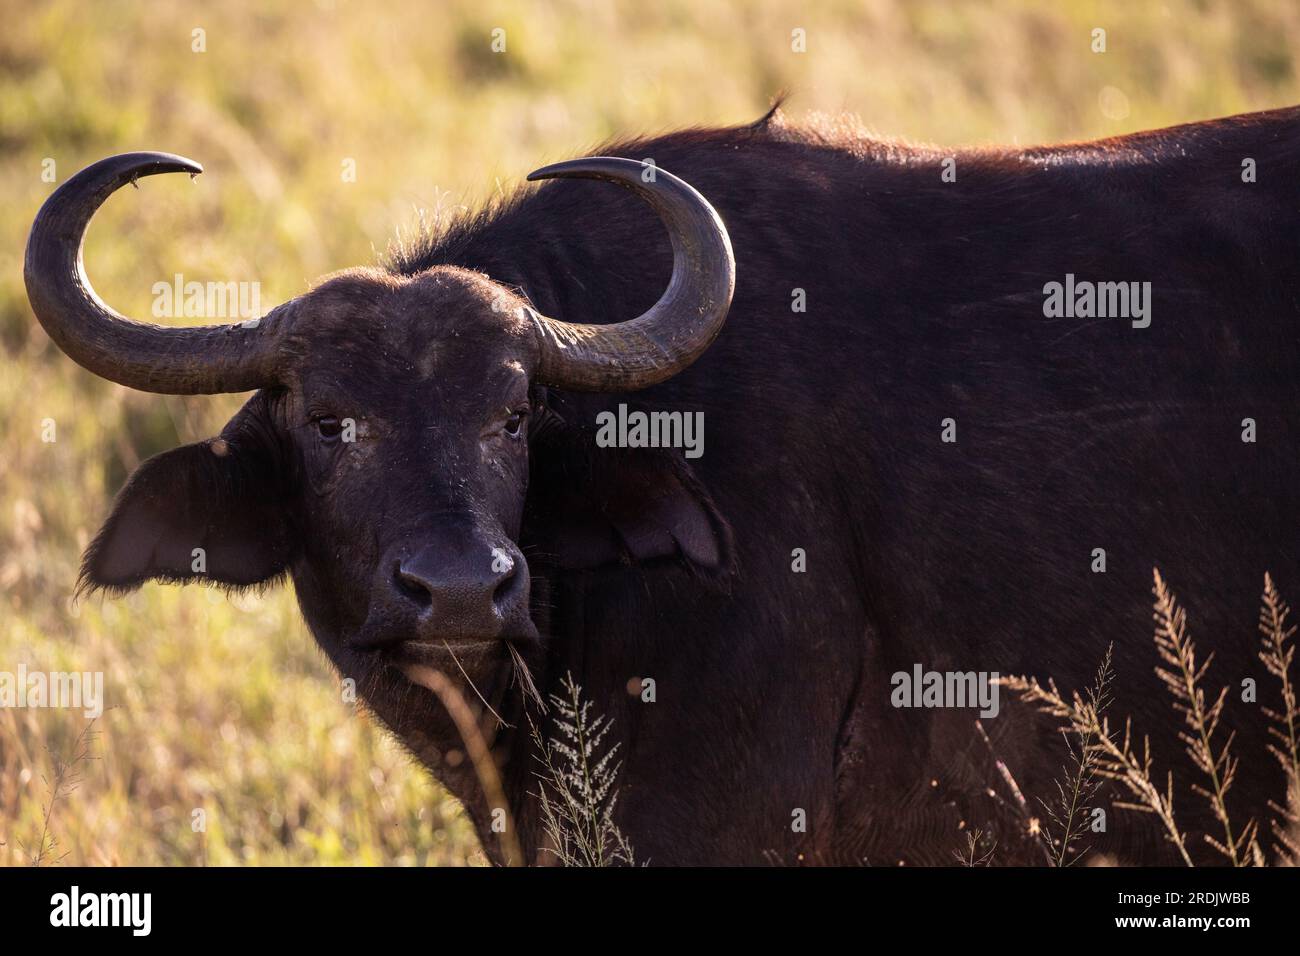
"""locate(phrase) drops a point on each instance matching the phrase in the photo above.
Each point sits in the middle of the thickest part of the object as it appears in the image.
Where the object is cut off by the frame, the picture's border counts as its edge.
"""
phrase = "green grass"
(226, 705)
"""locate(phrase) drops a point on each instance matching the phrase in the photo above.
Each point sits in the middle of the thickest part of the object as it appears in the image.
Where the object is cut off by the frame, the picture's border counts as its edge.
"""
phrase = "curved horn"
(153, 358)
(678, 328)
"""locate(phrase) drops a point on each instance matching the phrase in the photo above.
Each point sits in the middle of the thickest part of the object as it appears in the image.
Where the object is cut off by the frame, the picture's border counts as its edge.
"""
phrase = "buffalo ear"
(591, 507)
(208, 511)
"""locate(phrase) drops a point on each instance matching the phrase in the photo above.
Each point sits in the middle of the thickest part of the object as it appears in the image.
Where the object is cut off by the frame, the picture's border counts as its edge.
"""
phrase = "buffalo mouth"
(486, 666)
(455, 655)
(437, 652)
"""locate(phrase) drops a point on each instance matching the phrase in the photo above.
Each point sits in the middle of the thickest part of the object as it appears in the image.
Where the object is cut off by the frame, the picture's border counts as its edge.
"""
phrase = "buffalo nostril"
(507, 590)
(413, 586)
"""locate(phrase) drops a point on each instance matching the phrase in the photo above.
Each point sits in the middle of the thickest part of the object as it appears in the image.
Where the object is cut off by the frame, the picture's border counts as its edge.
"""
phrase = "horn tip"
(587, 167)
(179, 164)
(151, 163)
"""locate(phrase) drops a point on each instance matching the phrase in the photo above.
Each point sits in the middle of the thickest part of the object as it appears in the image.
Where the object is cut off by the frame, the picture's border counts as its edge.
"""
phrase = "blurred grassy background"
(225, 704)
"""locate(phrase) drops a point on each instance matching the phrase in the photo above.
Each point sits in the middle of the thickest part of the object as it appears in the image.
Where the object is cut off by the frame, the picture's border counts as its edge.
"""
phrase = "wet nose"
(465, 596)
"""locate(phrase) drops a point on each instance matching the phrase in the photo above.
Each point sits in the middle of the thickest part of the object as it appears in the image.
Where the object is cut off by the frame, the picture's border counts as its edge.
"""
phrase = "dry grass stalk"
(1278, 653)
(1114, 759)
(1080, 779)
(480, 755)
(1018, 805)
(1182, 677)
(66, 779)
(577, 793)
(525, 678)
(979, 850)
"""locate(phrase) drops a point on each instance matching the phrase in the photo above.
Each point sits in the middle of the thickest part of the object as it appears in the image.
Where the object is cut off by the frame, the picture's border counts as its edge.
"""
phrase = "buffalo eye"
(329, 427)
(514, 424)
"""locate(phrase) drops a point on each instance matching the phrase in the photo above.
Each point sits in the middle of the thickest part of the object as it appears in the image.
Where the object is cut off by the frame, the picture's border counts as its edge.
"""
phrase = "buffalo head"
(384, 461)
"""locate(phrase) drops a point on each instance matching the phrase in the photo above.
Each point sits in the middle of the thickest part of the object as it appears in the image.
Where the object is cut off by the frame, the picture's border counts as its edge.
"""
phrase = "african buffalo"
(918, 434)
